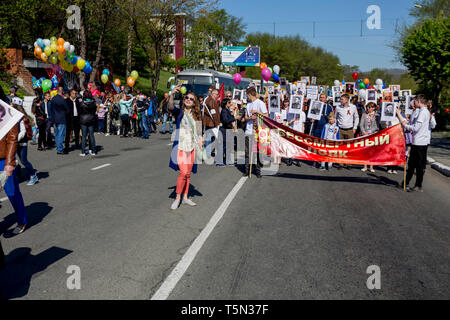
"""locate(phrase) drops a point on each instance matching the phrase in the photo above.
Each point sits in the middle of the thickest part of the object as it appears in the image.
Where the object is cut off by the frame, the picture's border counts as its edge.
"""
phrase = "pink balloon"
(237, 78)
(266, 74)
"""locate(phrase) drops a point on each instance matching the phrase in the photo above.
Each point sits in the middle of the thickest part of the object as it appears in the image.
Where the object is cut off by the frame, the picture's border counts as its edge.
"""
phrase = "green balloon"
(134, 75)
(104, 78)
(46, 85)
(362, 85)
(183, 90)
(271, 71)
(53, 39)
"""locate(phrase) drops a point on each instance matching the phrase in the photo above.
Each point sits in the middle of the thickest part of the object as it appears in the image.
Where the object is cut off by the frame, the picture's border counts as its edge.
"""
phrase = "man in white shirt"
(72, 120)
(347, 119)
(419, 129)
(254, 107)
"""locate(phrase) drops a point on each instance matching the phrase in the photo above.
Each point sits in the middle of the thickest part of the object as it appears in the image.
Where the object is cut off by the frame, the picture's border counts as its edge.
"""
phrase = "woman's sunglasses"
(189, 98)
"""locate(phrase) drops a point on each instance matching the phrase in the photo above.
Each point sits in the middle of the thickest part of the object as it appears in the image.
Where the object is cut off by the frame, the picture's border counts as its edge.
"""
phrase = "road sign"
(241, 56)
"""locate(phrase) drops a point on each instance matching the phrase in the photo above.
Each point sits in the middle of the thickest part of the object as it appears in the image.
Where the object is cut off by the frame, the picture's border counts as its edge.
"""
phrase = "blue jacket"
(178, 114)
(59, 110)
(325, 129)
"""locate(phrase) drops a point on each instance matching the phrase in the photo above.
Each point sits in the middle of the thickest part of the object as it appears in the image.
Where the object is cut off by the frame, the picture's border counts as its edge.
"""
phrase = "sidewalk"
(439, 152)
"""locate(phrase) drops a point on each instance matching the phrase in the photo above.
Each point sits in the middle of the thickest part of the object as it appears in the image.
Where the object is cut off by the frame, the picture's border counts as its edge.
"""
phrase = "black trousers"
(49, 125)
(248, 150)
(2, 259)
(125, 124)
(72, 124)
(417, 162)
(42, 127)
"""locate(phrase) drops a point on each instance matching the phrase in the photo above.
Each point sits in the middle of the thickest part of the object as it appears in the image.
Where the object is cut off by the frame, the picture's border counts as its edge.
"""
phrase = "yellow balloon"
(53, 47)
(53, 93)
(48, 51)
(60, 57)
(81, 64)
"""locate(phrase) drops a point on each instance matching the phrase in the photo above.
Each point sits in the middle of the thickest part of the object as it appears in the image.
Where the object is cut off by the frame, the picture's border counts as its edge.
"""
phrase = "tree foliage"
(426, 54)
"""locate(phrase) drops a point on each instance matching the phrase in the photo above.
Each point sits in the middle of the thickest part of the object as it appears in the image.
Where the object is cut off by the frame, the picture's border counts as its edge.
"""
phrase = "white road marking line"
(3, 199)
(102, 166)
(177, 273)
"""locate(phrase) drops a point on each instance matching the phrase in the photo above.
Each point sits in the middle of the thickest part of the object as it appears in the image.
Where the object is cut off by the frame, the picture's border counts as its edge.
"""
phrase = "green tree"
(426, 54)
(209, 32)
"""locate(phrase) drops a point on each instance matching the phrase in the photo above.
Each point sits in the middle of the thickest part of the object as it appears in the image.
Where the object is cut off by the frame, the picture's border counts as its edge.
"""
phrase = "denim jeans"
(22, 152)
(144, 124)
(60, 134)
(12, 190)
(85, 130)
(165, 118)
(101, 125)
(151, 123)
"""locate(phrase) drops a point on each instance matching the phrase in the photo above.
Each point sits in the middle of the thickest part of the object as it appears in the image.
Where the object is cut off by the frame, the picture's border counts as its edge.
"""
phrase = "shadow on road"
(21, 265)
(192, 192)
(36, 212)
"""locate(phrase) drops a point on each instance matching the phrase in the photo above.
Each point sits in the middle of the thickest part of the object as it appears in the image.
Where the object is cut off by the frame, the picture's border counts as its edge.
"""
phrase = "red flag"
(221, 92)
(385, 147)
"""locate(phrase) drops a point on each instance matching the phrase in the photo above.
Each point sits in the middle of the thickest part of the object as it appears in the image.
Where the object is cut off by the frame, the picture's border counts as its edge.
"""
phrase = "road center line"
(177, 273)
(102, 166)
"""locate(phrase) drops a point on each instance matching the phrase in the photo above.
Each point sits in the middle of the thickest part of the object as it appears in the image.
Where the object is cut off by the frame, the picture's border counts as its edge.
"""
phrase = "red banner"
(386, 147)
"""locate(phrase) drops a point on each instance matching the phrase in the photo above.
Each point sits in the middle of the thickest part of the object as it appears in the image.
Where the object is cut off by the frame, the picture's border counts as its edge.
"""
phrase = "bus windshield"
(197, 84)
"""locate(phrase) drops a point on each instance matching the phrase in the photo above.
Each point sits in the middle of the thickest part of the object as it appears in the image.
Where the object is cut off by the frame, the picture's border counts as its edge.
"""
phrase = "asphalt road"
(303, 234)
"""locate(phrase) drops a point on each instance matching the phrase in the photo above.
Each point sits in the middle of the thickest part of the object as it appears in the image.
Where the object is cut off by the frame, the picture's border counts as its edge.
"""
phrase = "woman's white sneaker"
(175, 205)
(189, 202)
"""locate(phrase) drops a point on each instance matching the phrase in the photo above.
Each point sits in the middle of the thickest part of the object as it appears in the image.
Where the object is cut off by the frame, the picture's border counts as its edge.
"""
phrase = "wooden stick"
(404, 177)
(251, 161)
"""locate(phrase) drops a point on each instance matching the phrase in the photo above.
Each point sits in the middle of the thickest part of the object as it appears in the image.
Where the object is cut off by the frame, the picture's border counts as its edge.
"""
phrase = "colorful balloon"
(183, 90)
(130, 81)
(81, 63)
(276, 77)
(106, 71)
(366, 81)
(237, 78)
(66, 46)
(104, 78)
(262, 66)
(61, 49)
(117, 82)
(53, 93)
(60, 42)
(276, 69)
(44, 57)
(134, 75)
(48, 51)
(53, 47)
(40, 43)
(355, 75)
(46, 85)
(37, 52)
(266, 74)
(362, 85)
(53, 59)
(53, 39)
(337, 83)
(379, 82)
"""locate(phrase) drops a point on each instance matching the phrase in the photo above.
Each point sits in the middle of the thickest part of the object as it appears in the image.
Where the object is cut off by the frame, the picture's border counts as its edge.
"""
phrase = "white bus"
(198, 81)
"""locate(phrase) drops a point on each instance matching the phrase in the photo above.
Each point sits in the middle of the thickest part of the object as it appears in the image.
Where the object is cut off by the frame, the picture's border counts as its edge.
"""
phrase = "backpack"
(150, 109)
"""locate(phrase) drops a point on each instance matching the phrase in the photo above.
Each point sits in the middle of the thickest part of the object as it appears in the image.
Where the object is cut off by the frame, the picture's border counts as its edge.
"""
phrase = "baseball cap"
(18, 101)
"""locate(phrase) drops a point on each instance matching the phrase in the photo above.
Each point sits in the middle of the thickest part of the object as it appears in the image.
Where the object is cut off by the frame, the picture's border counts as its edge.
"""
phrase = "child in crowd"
(330, 132)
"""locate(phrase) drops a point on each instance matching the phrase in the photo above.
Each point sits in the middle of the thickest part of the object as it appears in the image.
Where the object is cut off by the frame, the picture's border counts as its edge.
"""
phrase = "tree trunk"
(130, 44)
(158, 57)
(83, 46)
(99, 50)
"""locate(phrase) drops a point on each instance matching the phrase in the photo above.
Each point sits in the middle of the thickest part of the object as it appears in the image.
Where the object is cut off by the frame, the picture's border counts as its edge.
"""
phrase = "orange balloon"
(117, 82)
(262, 65)
(37, 52)
(130, 81)
(61, 49)
(366, 81)
(60, 42)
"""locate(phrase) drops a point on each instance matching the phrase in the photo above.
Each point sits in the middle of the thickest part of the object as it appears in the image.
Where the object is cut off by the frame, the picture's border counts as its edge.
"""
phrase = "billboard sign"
(241, 56)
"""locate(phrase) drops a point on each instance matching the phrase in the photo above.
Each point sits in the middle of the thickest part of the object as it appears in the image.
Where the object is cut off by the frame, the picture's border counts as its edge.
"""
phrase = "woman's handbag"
(200, 151)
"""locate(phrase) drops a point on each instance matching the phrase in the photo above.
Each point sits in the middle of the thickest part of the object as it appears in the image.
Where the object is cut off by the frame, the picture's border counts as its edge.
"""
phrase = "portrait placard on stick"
(388, 111)
(315, 111)
(274, 103)
(8, 118)
(296, 104)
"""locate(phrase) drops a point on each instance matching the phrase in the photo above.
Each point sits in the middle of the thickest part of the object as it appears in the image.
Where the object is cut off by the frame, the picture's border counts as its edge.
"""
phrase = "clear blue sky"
(337, 28)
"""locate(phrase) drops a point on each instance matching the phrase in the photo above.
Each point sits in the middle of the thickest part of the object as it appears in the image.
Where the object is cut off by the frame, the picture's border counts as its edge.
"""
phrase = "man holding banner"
(254, 107)
(347, 119)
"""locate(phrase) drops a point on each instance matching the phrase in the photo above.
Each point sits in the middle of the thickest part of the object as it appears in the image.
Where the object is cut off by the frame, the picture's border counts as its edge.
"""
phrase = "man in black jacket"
(59, 111)
(227, 119)
(73, 120)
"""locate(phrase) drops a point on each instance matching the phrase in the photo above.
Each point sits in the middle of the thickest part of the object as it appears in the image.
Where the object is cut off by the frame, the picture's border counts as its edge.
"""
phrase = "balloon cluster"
(46, 84)
(362, 84)
(59, 51)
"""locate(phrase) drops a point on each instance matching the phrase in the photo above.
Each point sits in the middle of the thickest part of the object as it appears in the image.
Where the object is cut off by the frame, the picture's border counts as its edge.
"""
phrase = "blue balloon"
(343, 82)
(172, 87)
(367, 85)
(55, 81)
(106, 71)
(359, 80)
(40, 43)
(276, 77)
(87, 70)
(74, 60)
(384, 86)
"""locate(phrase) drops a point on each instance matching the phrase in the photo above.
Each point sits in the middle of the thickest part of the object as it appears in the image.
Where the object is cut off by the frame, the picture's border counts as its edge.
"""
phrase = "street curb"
(445, 170)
